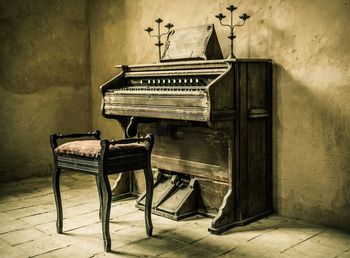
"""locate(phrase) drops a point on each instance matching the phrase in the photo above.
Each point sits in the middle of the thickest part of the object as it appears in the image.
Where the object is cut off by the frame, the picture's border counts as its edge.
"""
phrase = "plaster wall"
(44, 80)
(309, 44)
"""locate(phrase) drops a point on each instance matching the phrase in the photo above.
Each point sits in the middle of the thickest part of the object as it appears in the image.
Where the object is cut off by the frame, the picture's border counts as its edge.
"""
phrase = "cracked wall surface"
(44, 81)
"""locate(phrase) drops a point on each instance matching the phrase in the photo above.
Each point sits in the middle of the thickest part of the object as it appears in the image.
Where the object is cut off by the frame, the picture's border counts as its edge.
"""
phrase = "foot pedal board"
(173, 197)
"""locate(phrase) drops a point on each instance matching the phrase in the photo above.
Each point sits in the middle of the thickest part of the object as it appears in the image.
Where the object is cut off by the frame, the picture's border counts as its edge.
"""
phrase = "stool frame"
(105, 164)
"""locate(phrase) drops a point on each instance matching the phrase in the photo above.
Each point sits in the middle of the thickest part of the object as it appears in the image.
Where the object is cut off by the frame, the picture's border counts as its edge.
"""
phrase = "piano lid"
(192, 43)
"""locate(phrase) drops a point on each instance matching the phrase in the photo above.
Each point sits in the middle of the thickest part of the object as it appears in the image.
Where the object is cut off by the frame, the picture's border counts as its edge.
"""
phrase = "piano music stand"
(101, 158)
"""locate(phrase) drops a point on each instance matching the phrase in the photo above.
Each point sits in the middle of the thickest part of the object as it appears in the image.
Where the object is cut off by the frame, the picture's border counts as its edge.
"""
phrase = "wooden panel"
(256, 85)
(190, 149)
(241, 175)
(269, 138)
(256, 166)
(149, 99)
(211, 195)
(185, 113)
(171, 66)
(254, 113)
(259, 167)
(221, 92)
(162, 73)
(79, 164)
(193, 168)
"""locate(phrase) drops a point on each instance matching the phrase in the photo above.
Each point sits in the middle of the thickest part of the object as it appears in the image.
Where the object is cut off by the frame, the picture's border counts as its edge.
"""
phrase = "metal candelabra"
(232, 36)
(159, 35)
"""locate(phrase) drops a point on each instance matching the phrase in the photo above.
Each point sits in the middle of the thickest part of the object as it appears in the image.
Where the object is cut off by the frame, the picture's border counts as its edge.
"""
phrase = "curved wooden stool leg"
(58, 201)
(100, 197)
(149, 195)
(106, 209)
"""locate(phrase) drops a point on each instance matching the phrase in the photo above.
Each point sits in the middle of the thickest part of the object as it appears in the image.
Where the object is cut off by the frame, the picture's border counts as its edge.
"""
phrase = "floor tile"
(332, 237)
(152, 246)
(40, 218)
(8, 198)
(4, 244)
(189, 252)
(22, 236)
(30, 211)
(13, 226)
(12, 252)
(4, 217)
(187, 232)
(312, 249)
(42, 245)
(220, 244)
(13, 205)
(68, 251)
(345, 254)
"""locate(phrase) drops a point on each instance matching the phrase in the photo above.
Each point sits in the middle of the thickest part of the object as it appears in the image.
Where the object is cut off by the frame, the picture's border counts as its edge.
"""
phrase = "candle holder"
(232, 36)
(159, 35)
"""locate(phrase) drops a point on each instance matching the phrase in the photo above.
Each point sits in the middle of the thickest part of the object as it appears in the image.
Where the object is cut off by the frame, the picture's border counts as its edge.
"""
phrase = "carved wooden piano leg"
(226, 215)
(149, 195)
(106, 208)
(100, 197)
(58, 201)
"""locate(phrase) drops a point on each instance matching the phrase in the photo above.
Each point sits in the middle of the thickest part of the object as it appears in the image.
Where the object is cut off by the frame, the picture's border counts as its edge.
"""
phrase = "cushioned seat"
(92, 148)
(101, 158)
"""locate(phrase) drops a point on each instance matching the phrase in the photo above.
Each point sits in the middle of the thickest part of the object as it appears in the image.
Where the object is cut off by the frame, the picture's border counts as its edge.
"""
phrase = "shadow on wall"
(311, 150)
(108, 31)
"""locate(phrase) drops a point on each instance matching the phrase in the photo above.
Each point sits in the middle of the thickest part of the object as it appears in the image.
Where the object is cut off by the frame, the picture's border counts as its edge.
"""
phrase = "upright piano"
(212, 121)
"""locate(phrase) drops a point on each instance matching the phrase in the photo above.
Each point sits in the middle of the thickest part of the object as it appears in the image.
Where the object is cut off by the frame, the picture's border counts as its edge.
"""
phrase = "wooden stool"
(102, 158)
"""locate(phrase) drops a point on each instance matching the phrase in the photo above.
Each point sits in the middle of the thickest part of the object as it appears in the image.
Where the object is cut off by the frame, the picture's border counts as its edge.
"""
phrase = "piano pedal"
(173, 197)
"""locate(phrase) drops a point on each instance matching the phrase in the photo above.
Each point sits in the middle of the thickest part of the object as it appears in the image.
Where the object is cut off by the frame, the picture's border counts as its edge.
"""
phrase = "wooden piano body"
(212, 122)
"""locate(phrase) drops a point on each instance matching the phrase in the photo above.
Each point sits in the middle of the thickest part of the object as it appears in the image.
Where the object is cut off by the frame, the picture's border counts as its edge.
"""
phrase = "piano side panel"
(257, 86)
(221, 92)
(257, 196)
(113, 83)
(255, 192)
(211, 194)
(116, 82)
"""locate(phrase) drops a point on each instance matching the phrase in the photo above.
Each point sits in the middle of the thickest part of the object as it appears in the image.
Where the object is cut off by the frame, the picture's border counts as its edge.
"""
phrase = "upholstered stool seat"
(92, 148)
(101, 158)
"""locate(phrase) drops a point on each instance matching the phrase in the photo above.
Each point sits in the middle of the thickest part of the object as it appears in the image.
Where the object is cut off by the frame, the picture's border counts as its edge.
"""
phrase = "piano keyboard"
(177, 90)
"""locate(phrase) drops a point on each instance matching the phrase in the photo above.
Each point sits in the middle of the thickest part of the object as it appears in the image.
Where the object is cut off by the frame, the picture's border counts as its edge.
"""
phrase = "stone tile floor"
(27, 229)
